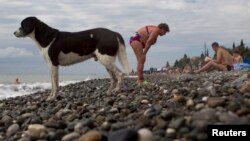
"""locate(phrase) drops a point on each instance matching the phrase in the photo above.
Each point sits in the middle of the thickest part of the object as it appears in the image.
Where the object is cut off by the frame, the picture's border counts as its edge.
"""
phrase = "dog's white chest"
(71, 58)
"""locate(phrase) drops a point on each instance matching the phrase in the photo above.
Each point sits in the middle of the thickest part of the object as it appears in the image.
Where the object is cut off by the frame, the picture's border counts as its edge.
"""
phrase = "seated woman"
(236, 57)
(238, 61)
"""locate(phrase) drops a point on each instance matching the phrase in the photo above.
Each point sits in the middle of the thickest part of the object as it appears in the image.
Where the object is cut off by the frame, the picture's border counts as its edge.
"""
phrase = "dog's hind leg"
(109, 63)
(119, 76)
(113, 81)
(54, 82)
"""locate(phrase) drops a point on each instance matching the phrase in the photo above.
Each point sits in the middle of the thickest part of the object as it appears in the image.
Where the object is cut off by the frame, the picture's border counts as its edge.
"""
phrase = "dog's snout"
(17, 33)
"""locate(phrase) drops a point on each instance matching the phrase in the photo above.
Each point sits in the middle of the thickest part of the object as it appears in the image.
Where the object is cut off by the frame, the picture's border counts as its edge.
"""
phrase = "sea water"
(33, 83)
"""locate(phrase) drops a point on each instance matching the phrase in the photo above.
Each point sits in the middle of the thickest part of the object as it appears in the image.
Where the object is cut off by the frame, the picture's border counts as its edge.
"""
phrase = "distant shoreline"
(32, 78)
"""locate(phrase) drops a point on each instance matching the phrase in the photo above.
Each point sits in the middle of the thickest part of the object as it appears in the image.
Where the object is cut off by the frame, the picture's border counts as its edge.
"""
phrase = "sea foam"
(13, 90)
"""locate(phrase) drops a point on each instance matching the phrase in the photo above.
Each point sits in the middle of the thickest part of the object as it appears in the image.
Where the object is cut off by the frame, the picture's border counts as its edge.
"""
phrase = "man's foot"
(142, 82)
(139, 81)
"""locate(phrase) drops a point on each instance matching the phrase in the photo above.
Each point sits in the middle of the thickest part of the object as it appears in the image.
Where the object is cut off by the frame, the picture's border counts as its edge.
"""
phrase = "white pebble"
(190, 103)
(144, 101)
(85, 105)
(91, 35)
(78, 127)
(199, 106)
(170, 131)
(147, 111)
(175, 91)
(204, 98)
(114, 110)
(36, 130)
(102, 110)
(144, 134)
(211, 90)
(161, 88)
(165, 91)
(1, 105)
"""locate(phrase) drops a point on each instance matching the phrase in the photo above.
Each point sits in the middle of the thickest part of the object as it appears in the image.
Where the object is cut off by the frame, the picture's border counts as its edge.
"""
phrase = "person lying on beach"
(236, 57)
(187, 68)
(223, 62)
(142, 40)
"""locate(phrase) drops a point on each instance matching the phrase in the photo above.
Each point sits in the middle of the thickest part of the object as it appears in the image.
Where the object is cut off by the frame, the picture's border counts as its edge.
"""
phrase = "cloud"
(13, 52)
(171, 4)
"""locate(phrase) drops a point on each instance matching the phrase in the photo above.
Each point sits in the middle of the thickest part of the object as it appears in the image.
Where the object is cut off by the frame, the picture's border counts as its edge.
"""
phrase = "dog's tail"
(122, 55)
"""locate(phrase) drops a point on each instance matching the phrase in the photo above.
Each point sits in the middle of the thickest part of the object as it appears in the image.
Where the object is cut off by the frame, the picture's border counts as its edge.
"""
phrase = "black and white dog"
(67, 48)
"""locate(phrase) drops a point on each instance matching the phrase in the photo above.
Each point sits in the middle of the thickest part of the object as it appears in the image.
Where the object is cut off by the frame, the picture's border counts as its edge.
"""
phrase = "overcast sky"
(191, 22)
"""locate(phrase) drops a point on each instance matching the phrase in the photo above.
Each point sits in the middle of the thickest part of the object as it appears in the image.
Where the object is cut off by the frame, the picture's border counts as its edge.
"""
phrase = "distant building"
(153, 70)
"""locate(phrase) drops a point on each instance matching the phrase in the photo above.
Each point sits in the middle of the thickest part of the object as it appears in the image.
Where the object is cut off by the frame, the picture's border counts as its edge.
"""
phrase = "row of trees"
(182, 62)
(195, 62)
(242, 48)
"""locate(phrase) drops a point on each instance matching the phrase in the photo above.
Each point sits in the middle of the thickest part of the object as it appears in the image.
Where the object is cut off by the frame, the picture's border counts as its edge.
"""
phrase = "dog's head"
(27, 26)
(43, 33)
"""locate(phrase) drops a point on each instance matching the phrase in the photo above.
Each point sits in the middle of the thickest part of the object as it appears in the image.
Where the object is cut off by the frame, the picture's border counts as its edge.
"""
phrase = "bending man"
(142, 40)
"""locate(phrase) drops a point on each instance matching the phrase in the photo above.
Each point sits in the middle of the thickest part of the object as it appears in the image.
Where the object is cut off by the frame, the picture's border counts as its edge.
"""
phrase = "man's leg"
(212, 66)
(138, 50)
(219, 67)
(206, 67)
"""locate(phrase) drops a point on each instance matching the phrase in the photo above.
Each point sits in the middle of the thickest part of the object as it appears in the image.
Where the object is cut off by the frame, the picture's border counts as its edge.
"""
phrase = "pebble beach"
(168, 107)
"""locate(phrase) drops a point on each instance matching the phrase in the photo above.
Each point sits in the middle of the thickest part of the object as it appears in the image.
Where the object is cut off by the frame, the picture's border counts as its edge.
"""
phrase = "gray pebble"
(71, 136)
(176, 123)
(12, 130)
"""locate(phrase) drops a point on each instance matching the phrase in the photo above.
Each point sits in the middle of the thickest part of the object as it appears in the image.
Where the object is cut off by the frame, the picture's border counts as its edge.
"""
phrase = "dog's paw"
(51, 98)
(109, 92)
(116, 90)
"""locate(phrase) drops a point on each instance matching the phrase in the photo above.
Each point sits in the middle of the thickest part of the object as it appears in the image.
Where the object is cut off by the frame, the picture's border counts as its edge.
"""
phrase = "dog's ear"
(28, 24)
(44, 34)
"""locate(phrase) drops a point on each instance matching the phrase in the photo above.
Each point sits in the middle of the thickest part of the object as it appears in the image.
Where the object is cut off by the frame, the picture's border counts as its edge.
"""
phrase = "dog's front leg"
(54, 82)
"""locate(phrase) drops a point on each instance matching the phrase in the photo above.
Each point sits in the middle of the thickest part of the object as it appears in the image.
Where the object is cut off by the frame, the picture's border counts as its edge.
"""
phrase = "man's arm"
(151, 40)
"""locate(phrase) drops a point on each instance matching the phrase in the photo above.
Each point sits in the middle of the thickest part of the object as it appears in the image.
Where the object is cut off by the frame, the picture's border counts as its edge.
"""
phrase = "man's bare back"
(224, 57)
